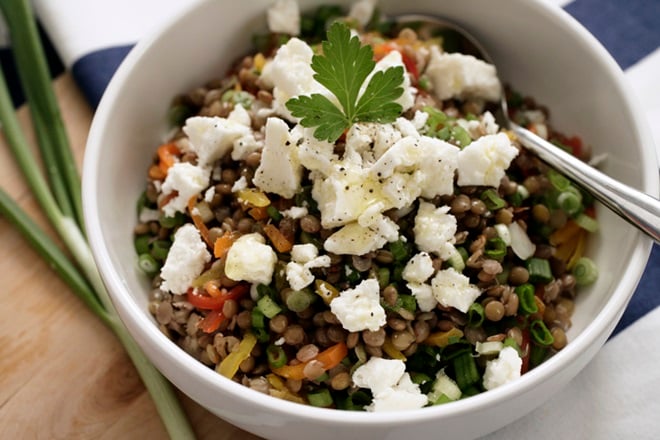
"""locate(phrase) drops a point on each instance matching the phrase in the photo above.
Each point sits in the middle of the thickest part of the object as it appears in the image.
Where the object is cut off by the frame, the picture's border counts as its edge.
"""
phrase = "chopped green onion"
(457, 261)
(464, 253)
(383, 276)
(424, 83)
(148, 264)
(268, 306)
(237, 97)
(558, 181)
(407, 302)
(419, 378)
(444, 389)
(586, 222)
(352, 275)
(321, 398)
(172, 222)
(141, 203)
(510, 342)
(400, 251)
(461, 136)
(475, 315)
(465, 370)
(273, 213)
(141, 244)
(570, 201)
(492, 199)
(585, 271)
(540, 333)
(495, 248)
(537, 355)
(258, 319)
(160, 249)
(539, 270)
(178, 113)
(299, 300)
(276, 356)
(522, 191)
(526, 300)
(516, 198)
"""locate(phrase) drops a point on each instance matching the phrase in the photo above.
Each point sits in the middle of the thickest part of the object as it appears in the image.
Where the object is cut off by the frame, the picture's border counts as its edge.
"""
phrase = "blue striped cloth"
(616, 396)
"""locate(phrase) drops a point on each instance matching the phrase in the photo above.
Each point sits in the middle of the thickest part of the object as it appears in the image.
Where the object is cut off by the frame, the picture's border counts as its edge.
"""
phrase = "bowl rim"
(151, 339)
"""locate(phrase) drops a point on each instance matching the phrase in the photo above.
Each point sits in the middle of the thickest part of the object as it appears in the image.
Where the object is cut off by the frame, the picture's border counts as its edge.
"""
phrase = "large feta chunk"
(343, 195)
(356, 239)
(438, 167)
(405, 395)
(503, 369)
(284, 17)
(456, 75)
(453, 289)
(280, 171)
(390, 385)
(187, 180)
(419, 268)
(314, 154)
(423, 294)
(435, 229)
(250, 259)
(403, 156)
(240, 115)
(304, 257)
(359, 308)
(185, 260)
(379, 374)
(484, 161)
(290, 74)
(212, 137)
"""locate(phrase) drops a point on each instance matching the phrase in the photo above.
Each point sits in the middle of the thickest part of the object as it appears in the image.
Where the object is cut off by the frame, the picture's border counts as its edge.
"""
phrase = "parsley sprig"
(342, 68)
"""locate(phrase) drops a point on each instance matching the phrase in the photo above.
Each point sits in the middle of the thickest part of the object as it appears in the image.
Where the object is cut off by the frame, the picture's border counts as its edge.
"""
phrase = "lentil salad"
(454, 292)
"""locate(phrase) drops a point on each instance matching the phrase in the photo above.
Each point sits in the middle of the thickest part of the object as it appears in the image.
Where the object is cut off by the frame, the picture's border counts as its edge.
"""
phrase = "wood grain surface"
(63, 375)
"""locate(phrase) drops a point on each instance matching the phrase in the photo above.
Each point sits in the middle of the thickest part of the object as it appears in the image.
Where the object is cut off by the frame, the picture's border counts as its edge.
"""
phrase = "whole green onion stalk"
(62, 205)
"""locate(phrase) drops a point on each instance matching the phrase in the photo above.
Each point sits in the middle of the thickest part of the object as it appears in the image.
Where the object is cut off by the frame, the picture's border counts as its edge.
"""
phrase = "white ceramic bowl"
(538, 48)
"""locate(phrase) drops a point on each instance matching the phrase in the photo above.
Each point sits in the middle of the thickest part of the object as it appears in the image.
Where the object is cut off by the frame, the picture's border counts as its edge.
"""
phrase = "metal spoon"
(634, 206)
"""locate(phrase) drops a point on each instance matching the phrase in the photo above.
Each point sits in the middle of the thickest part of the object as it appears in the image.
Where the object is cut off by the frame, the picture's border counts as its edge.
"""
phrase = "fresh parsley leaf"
(343, 68)
(318, 111)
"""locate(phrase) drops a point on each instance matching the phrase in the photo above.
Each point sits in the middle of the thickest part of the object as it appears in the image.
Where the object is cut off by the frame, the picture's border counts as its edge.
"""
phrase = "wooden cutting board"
(62, 373)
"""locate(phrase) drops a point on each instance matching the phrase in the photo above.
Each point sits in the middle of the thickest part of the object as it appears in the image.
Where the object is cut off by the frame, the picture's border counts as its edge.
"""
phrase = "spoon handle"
(638, 208)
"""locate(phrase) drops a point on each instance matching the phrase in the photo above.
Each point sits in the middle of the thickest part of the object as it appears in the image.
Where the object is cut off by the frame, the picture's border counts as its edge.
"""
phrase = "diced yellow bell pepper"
(442, 339)
(229, 365)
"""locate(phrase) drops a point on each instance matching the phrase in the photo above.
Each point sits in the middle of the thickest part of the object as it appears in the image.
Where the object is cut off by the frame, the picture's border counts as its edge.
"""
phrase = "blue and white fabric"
(616, 396)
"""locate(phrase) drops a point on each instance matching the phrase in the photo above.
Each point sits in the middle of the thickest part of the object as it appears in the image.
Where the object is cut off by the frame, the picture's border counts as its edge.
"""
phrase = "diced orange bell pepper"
(281, 243)
(329, 358)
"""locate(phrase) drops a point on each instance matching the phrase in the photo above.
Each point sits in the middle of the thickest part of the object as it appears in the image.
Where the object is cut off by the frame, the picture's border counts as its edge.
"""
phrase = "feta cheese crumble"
(435, 229)
(502, 370)
(359, 308)
(212, 137)
(304, 257)
(187, 180)
(284, 17)
(390, 385)
(290, 74)
(279, 171)
(419, 268)
(250, 259)
(456, 75)
(185, 260)
(484, 161)
(453, 289)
